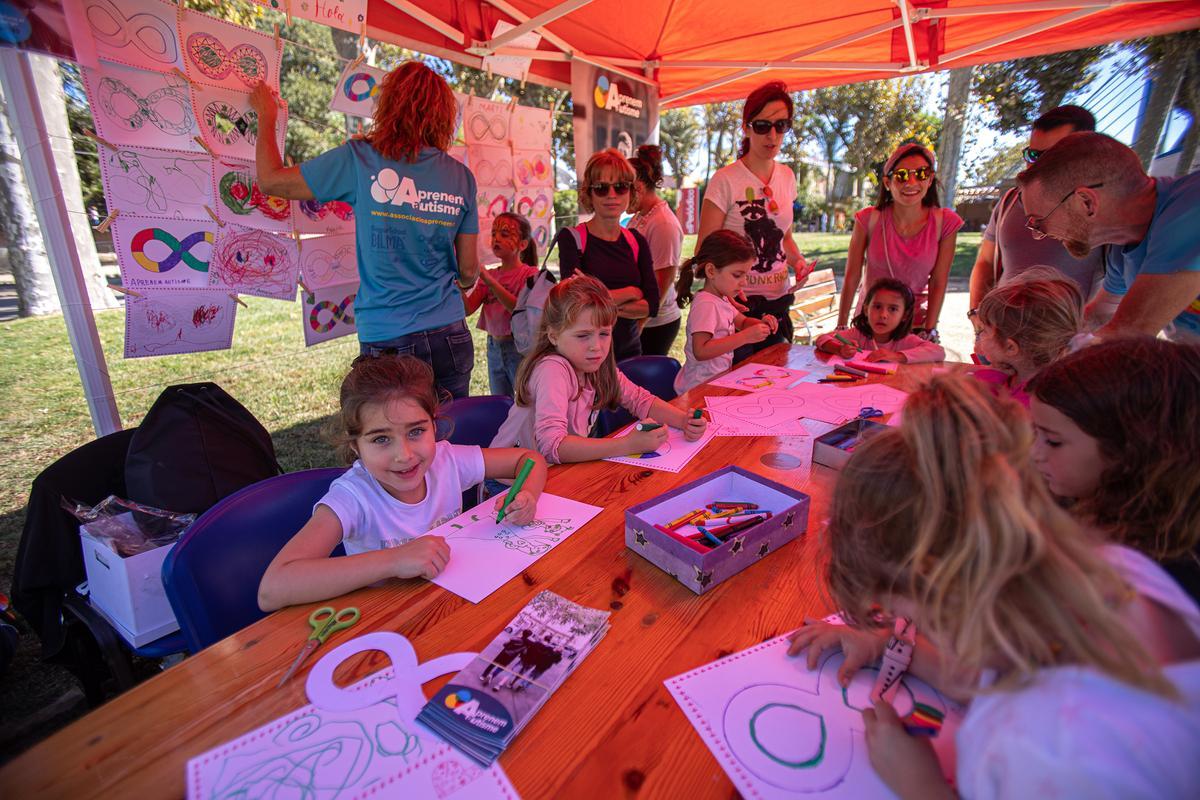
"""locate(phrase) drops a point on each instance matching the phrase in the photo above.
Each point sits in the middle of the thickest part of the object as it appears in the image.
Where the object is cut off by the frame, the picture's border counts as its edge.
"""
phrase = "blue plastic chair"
(475, 421)
(655, 374)
(212, 576)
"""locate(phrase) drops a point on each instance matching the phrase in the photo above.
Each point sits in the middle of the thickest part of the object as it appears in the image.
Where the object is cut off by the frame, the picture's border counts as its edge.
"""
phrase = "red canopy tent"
(700, 51)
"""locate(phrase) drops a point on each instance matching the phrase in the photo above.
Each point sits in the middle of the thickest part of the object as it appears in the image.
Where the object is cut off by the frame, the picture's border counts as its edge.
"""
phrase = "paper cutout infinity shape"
(245, 61)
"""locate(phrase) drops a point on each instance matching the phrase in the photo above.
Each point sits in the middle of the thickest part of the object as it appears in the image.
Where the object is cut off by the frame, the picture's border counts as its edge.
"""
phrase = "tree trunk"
(949, 149)
(26, 251)
(1166, 75)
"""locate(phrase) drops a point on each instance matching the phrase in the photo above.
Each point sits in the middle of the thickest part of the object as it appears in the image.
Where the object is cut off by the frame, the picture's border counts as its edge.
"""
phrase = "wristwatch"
(896, 658)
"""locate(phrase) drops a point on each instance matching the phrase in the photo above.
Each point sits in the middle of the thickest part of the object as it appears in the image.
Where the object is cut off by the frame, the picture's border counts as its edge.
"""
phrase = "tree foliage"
(1017, 92)
(679, 134)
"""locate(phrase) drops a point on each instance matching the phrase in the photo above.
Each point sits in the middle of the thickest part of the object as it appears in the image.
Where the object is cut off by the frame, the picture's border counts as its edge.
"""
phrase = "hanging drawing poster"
(156, 183)
(537, 205)
(782, 731)
(532, 168)
(140, 108)
(511, 66)
(459, 153)
(162, 252)
(255, 262)
(329, 260)
(485, 122)
(531, 128)
(136, 33)
(230, 56)
(228, 124)
(671, 456)
(240, 201)
(348, 15)
(332, 216)
(357, 89)
(354, 742)
(168, 321)
(491, 165)
(487, 554)
(328, 313)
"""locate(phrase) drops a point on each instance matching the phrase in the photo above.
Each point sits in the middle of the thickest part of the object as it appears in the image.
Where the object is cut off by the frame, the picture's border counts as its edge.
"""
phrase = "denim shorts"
(448, 350)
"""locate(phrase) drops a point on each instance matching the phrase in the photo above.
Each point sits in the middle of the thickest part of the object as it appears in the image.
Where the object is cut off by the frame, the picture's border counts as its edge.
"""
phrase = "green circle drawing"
(812, 762)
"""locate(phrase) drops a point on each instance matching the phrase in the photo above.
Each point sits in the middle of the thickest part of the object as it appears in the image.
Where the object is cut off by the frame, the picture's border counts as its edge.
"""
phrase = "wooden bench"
(814, 304)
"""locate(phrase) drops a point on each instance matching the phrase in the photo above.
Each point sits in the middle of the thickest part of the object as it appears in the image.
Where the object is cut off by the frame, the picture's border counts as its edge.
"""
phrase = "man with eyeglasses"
(1090, 190)
(1007, 248)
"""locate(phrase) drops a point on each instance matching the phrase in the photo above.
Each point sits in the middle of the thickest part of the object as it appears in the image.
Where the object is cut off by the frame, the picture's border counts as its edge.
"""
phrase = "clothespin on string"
(360, 59)
(123, 290)
(91, 134)
(181, 74)
(276, 27)
(299, 244)
(238, 300)
(215, 218)
(287, 10)
(362, 37)
(204, 145)
(107, 221)
(303, 286)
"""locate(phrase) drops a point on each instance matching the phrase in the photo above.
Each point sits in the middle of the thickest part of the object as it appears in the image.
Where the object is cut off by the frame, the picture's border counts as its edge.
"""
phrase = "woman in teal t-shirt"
(415, 214)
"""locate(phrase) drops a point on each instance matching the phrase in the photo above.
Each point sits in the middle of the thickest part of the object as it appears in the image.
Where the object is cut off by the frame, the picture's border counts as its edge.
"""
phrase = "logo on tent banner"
(608, 96)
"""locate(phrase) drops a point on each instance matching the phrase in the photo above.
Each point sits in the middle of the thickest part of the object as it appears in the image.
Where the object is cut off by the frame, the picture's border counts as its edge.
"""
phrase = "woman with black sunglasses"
(616, 256)
(906, 235)
(753, 196)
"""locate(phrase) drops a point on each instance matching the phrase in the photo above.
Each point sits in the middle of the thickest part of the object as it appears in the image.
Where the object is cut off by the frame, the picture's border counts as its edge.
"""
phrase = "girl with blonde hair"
(942, 523)
(416, 216)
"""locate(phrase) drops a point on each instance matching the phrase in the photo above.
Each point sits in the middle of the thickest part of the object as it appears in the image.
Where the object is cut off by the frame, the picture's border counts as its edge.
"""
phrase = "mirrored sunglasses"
(902, 175)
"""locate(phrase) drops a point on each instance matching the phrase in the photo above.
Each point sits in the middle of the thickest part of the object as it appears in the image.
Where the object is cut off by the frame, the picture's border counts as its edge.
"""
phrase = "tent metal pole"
(41, 173)
(906, 20)
(1026, 8)
(429, 19)
(544, 18)
(1012, 36)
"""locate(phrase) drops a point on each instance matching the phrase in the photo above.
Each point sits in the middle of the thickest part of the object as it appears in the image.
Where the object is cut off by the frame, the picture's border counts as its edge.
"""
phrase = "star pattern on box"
(738, 543)
(787, 521)
(640, 537)
(764, 549)
(703, 578)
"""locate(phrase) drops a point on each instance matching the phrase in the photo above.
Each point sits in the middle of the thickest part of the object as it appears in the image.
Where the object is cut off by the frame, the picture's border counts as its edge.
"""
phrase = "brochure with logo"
(487, 704)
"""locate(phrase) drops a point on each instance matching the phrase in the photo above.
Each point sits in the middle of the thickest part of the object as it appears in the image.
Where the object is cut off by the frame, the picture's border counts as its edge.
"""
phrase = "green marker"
(515, 489)
(838, 336)
(696, 413)
(648, 426)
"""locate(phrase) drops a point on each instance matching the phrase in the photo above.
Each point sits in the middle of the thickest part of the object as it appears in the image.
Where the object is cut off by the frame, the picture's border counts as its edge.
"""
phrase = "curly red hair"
(415, 109)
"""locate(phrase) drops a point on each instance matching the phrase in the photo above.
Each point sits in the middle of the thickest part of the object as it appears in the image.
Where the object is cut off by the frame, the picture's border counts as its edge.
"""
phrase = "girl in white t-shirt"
(401, 484)
(1079, 660)
(714, 327)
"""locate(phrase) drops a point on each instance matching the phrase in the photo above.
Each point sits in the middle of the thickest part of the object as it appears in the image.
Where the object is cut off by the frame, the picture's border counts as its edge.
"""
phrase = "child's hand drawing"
(646, 441)
(906, 763)
(848, 351)
(521, 510)
(860, 648)
(423, 557)
(694, 428)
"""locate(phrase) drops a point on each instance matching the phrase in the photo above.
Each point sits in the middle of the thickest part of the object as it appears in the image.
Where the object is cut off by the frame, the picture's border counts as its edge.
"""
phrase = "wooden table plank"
(611, 729)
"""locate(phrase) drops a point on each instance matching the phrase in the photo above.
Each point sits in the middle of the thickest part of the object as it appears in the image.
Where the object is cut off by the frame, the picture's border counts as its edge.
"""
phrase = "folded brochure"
(487, 704)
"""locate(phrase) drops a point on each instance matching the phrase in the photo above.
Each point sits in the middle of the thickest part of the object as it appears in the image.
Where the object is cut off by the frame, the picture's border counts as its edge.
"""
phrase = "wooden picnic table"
(611, 730)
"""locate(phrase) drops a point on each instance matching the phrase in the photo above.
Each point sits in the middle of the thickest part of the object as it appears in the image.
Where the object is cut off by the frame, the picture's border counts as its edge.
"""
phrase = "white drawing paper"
(162, 252)
(757, 377)
(354, 742)
(332, 216)
(219, 53)
(157, 183)
(141, 108)
(234, 184)
(781, 731)
(771, 408)
(228, 124)
(136, 33)
(357, 89)
(485, 122)
(532, 168)
(486, 554)
(851, 399)
(491, 165)
(329, 260)
(167, 321)
(328, 313)
(348, 15)
(255, 262)
(531, 128)
(511, 66)
(672, 456)
(801, 427)
(871, 367)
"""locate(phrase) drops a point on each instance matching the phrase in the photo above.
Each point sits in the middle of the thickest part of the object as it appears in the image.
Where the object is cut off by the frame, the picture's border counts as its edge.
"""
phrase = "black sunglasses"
(601, 189)
(1030, 155)
(763, 126)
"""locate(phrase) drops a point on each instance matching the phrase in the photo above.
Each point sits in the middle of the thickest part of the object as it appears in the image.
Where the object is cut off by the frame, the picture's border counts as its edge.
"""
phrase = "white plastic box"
(129, 591)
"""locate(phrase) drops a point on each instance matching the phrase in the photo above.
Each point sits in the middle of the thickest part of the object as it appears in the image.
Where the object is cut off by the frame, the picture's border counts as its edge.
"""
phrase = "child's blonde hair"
(945, 511)
(1039, 310)
(566, 303)
(378, 379)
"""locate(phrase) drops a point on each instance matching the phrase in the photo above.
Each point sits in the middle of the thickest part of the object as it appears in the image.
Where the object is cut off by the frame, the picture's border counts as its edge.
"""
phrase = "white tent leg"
(38, 156)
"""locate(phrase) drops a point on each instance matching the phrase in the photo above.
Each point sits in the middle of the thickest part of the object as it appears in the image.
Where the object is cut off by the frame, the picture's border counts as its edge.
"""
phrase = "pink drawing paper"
(227, 123)
(238, 198)
(491, 165)
(328, 313)
(136, 33)
(169, 321)
(219, 53)
(485, 122)
(531, 128)
(532, 168)
(145, 181)
(255, 262)
(154, 252)
(141, 108)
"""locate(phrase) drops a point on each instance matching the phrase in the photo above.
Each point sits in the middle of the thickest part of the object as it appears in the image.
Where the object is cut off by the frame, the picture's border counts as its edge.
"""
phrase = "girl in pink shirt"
(883, 329)
(571, 374)
(496, 292)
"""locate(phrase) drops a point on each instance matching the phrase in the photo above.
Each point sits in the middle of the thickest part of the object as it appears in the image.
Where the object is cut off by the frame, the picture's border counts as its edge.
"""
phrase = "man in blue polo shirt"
(1090, 190)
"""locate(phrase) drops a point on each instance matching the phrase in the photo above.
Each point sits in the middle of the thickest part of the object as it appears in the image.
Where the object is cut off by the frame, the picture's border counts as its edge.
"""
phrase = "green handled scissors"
(324, 621)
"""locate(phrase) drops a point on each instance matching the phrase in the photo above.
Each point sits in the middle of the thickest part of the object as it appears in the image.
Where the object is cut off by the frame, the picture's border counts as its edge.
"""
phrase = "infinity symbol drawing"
(317, 211)
(482, 126)
(180, 251)
(124, 105)
(154, 37)
(337, 314)
(245, 61)
(228, 124)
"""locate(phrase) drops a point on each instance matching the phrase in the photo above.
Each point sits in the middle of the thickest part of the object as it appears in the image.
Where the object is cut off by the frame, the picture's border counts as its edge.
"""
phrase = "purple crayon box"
(693, 564)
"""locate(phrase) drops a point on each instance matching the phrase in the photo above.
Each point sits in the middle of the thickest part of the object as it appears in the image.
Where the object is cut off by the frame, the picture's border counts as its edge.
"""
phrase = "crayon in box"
(699, 568)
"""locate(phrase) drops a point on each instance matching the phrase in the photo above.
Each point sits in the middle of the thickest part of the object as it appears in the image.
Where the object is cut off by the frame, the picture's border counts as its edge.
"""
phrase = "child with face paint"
(512, 243)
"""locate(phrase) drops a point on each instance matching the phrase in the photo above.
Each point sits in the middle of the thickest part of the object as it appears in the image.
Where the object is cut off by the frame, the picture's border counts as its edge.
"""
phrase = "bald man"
(1090, 190)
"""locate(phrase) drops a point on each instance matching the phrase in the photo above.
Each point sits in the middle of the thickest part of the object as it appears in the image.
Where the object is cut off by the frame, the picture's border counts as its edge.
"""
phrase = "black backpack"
(195, 446)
